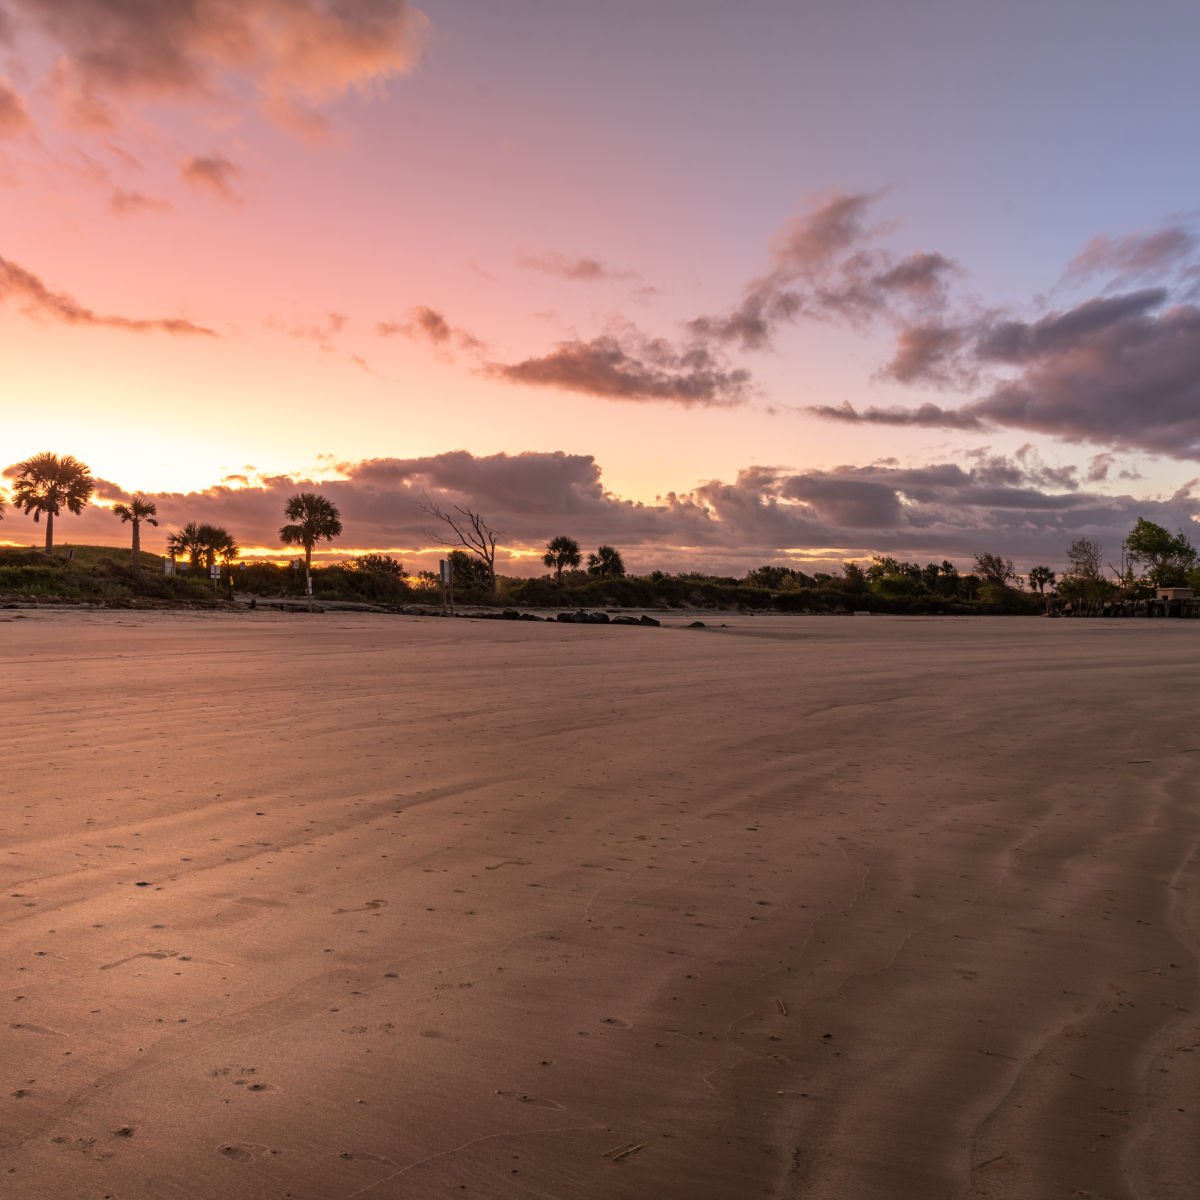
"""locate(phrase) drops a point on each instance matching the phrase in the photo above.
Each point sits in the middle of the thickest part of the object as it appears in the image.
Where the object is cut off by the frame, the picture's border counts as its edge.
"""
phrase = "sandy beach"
(337, 906)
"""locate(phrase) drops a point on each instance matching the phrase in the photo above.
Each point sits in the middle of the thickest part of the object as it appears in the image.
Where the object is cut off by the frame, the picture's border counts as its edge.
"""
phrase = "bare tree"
(1086, 559)
(468, 530)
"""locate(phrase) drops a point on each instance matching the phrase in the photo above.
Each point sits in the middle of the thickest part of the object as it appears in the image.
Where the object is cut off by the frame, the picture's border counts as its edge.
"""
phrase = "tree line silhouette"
(1150, 557)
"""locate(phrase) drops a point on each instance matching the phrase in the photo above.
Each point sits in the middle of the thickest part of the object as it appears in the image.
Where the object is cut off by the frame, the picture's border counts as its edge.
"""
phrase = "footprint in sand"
(365, 907)
(160, 954)
(24, 1027)
(367, 1156)
(615, 1021)
(242, 1151)
(526, 1098)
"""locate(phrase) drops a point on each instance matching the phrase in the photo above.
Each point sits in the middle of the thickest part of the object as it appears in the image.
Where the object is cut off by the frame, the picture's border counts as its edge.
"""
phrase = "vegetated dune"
(326, 907)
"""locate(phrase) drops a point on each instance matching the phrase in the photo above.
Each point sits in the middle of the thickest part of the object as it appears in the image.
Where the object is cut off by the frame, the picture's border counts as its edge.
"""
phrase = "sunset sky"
(719, 284)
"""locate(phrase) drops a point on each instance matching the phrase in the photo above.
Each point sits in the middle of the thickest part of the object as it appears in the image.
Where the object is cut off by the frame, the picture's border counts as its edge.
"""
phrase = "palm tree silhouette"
(135, 512)
(314, 519)
(606, 562)
(561, 552)
(203, 544)
(186, 541)
(47, 484)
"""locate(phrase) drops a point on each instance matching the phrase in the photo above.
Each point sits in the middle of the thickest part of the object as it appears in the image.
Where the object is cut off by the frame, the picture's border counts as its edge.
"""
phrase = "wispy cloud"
(14, 116)
(427, 324)
(826, 265)
(321, 331)
(578, 269)
(1134, 257)
(214, 174)
(36, 299)
(127, 203)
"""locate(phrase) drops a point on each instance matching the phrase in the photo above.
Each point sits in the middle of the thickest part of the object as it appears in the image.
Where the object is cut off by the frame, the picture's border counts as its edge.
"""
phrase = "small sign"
(444, 569)
(215, 571)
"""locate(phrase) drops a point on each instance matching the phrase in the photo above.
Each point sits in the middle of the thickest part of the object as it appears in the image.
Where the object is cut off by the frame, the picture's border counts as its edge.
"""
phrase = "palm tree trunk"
(49, 530)
(135, 560)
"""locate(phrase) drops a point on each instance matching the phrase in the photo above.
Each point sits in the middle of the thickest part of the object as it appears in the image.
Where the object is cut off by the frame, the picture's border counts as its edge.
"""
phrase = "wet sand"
(331, 906)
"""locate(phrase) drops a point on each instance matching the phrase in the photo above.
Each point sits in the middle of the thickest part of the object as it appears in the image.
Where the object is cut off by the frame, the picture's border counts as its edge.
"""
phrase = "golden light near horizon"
(801, 355)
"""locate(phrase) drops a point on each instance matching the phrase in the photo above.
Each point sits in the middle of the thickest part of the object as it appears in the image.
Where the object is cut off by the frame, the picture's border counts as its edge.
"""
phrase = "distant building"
(1174, 594)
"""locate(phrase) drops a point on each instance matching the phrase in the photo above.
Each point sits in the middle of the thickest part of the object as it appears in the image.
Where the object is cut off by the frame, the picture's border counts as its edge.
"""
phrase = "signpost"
(446, 571)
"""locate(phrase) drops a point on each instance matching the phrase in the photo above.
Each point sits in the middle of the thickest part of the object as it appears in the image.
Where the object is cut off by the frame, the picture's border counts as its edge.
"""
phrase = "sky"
(717, 284)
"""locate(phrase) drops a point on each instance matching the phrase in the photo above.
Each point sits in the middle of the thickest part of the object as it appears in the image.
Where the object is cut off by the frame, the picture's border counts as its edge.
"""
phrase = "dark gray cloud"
(1133, 383)
(297, 52)
(931, 415)
(629, 366)
(1022, 341)
(31, 294)
(989, 503)
(214, 174)
(847, 503)
(1119, 370)
(427, 324)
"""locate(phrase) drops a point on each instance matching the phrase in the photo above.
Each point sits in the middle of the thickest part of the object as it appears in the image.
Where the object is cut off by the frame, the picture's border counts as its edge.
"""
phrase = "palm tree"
(186, 541)
(1041, 578)
(135, 512)
(314, 519)
(217, 543)
(203, 544)
(561, 552)
(47, 483)
(606, 562)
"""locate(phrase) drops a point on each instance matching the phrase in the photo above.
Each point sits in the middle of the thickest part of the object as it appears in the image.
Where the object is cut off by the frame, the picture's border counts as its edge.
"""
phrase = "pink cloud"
(37, 299)
(214, 174)
(298, 53)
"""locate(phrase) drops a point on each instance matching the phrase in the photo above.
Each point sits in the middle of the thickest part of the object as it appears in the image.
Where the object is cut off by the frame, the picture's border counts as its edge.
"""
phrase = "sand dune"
(329, 906)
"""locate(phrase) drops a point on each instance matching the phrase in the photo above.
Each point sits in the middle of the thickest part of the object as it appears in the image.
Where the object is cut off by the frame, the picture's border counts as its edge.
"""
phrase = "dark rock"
(648, 621)
(697, 625)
